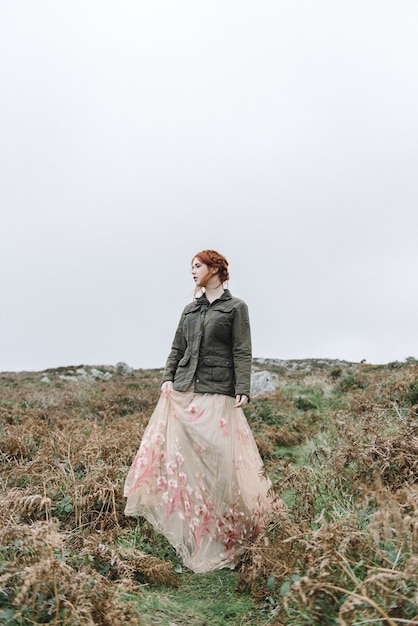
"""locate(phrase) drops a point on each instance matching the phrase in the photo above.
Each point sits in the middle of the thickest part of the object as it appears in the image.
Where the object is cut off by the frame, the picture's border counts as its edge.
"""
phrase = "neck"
(213, 292)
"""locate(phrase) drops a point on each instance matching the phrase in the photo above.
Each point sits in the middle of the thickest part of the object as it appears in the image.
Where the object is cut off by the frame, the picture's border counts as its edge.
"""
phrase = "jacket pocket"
(224, 307)
(217, 361)
(218, 369)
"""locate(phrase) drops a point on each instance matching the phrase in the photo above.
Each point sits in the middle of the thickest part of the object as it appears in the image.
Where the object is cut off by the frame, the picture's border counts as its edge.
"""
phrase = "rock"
(301, 365)
(99, 374)
(262, 383)
(123, 368)
(45, 379)
(82, 372)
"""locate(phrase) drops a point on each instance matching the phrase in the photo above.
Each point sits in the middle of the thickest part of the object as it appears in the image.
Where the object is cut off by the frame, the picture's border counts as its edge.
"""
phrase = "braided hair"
(214, 259)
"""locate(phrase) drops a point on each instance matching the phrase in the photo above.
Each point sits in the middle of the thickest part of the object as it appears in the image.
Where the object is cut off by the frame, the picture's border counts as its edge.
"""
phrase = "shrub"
(411, 395)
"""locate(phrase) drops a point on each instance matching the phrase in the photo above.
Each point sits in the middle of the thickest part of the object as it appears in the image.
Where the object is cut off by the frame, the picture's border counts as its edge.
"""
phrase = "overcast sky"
(283, 133)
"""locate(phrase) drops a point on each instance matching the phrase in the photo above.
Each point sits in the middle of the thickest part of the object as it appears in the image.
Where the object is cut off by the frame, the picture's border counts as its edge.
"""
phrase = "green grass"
(200, 600)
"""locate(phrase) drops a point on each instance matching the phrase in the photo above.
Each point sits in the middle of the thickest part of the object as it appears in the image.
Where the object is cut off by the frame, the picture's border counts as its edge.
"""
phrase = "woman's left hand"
(240, 401)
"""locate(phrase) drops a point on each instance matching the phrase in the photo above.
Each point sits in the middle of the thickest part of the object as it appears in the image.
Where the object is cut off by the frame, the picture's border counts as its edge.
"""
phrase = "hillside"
(339, 440)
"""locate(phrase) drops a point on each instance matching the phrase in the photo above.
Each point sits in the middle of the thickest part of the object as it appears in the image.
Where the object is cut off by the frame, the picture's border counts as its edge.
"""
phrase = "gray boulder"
(262, 383)
(95, 373)
(123, 368)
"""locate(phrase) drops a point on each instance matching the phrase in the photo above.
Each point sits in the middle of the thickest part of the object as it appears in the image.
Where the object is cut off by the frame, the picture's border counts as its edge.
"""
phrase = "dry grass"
(346, 552)
(343, 447)
(65, 449)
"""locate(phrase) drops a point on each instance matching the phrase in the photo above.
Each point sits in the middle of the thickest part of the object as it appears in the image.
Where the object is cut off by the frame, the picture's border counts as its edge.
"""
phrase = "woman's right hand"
(166, 387)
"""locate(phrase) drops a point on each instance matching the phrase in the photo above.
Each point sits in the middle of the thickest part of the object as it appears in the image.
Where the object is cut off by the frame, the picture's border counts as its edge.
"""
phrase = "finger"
(240, 401)
(166, 387)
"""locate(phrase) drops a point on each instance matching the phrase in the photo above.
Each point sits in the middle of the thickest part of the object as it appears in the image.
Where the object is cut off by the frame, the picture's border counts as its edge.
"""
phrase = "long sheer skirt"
(199, 479)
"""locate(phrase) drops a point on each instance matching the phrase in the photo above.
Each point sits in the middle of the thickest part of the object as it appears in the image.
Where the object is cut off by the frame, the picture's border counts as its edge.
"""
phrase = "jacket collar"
(203, 301)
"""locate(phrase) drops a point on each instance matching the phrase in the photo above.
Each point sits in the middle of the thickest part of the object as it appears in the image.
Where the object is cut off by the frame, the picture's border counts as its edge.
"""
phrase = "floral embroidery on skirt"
(198, 478)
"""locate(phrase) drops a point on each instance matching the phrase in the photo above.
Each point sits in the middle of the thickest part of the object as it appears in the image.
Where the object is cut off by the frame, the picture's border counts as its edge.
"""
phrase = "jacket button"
(197, 380)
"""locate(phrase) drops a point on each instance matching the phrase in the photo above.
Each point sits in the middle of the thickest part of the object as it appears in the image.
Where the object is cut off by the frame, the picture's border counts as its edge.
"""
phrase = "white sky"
(133, 134)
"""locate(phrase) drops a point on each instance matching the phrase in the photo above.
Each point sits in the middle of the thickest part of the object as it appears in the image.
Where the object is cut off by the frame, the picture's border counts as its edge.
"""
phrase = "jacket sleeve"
(178, 349)
(241, 350)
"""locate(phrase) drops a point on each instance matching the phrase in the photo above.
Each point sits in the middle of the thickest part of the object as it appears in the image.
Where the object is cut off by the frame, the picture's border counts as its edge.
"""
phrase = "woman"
(198, 476)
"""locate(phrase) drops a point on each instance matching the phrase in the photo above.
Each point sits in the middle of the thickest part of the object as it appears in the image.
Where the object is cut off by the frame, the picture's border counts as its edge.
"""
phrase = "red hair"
(215, 260)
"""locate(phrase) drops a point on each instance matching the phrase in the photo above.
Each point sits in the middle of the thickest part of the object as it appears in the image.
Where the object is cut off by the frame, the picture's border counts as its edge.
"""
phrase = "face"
(201, 272)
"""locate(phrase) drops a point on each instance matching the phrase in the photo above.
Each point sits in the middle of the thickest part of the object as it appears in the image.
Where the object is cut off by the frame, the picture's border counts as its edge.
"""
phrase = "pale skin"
(213, 290)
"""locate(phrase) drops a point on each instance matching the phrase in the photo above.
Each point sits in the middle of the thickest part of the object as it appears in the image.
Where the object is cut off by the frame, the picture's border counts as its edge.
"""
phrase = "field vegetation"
(339, 442)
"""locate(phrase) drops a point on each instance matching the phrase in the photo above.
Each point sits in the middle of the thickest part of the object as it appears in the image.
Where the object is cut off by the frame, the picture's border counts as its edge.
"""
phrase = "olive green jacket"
(211, 350)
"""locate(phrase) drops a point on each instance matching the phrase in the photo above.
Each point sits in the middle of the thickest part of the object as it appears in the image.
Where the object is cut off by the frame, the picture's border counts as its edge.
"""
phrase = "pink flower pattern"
(197, 478)
(224, 428)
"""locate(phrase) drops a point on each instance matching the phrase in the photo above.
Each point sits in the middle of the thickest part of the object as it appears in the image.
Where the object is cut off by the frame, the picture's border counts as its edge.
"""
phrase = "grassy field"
(340, 443)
